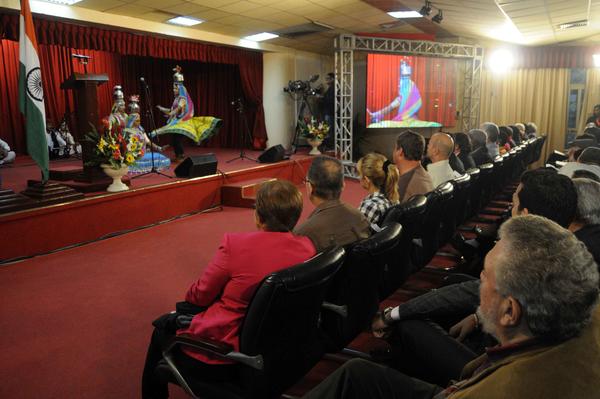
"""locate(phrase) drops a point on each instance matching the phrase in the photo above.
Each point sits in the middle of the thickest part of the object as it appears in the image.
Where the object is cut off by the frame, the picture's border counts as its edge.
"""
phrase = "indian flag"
(31, 94)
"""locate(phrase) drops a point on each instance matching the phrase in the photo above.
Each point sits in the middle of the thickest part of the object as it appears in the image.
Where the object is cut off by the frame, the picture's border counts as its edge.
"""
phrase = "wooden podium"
(85, 87)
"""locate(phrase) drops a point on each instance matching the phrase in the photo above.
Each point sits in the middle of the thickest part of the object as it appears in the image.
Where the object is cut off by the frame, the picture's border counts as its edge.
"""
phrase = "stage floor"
(14, 176)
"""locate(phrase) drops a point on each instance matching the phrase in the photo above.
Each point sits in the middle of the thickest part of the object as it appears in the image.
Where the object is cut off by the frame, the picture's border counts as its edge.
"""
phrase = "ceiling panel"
(535, 20)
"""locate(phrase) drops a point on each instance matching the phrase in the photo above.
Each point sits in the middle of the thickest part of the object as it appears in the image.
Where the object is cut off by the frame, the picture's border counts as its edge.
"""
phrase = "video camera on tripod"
(304, 87)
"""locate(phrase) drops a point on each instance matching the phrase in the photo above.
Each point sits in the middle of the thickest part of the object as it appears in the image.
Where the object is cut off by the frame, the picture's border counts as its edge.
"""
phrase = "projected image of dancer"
(408, 102)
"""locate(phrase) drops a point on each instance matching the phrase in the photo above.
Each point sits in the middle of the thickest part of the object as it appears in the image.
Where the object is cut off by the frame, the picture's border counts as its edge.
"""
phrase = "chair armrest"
(342, 310)
(219, 349)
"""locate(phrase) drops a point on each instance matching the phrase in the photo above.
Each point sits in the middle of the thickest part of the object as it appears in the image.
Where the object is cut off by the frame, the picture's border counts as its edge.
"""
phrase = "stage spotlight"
(426, 9)
(438, 17)
(596, 60)
(501, 61)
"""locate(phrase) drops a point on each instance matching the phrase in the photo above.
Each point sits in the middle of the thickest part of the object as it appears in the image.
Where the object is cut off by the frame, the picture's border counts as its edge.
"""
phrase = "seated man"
(538, 298)
(541, 192)
(480, 152)
(586, 225)
(493, 132)
(228, 283)
(589, 160)
(438, 150)
(6, 155)
(408, 154)
(332, 222)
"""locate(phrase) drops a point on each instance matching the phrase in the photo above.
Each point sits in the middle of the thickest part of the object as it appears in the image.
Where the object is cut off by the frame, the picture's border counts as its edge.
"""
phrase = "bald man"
(439, 149)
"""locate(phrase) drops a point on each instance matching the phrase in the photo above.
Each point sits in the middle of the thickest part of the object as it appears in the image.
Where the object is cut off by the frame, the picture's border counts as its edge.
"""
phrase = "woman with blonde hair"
(380, 178)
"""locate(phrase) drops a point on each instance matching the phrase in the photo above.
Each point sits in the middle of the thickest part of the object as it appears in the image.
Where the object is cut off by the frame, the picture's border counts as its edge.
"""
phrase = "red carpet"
(75, 324)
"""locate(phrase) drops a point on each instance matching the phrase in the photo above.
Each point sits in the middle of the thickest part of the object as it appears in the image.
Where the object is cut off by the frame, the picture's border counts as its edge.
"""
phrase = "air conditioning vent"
(573, 24)
(391, 25)
(293, 32)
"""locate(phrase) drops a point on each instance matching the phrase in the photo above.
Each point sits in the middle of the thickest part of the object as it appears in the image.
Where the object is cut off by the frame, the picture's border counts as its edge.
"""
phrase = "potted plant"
(115, 150)
(315, 132)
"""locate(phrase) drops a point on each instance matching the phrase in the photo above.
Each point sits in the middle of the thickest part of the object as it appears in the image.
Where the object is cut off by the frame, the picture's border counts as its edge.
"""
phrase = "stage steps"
(242, 194)
(12, 202)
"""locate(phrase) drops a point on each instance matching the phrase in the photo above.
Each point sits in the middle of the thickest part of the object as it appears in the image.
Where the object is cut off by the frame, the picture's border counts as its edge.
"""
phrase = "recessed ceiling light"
(185, 21)
(63, 2)
(259, 37)
(404, 14)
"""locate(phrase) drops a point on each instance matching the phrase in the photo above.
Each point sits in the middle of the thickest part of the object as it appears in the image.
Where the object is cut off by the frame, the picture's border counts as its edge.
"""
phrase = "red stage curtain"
(435, 78)
(251, 71)
(11, 124)
(214, 75)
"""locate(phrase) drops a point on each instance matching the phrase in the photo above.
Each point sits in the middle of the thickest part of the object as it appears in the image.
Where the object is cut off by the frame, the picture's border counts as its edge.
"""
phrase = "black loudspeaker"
(273, 154)
(197, 166)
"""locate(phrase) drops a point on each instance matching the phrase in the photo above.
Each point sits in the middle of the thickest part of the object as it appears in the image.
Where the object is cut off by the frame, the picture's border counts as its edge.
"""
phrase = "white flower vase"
(116, 174)
(314, 143)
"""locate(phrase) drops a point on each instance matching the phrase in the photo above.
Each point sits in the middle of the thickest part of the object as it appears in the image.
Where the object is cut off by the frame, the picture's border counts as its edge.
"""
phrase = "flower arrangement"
(315, 130)
(116, 147)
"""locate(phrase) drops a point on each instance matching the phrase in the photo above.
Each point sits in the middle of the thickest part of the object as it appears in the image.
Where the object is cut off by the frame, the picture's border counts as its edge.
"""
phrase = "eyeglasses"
(305, 180)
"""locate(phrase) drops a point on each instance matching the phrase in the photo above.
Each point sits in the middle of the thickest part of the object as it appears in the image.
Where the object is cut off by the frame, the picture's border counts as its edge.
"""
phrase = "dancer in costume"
(134, 126)
(408, 100)
(181, 120)
(117, 116)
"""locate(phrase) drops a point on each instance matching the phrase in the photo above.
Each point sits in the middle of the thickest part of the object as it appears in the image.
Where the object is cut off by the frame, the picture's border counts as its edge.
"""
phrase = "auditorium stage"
(150, 200)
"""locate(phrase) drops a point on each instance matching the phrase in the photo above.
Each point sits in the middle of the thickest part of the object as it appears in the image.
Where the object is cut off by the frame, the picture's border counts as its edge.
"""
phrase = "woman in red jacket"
(227, 284)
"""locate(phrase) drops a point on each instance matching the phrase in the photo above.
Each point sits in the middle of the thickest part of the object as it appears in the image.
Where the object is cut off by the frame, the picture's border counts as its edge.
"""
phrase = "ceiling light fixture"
(426, 9)
(62, 2)
(404, 14)
(259, 37)
(184, 21)
(438, 17)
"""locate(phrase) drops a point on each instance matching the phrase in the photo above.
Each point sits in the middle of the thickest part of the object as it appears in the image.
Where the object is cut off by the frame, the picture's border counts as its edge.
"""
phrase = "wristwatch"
(386, 315)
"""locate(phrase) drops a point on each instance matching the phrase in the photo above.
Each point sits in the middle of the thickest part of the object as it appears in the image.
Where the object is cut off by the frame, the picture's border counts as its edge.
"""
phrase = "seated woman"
(154, 154)
(380, 178)
(227, 284)
(6, 155)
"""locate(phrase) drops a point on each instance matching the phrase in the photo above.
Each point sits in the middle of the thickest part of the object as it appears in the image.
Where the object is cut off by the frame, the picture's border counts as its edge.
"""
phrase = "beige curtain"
(528, 95)
(590, 98)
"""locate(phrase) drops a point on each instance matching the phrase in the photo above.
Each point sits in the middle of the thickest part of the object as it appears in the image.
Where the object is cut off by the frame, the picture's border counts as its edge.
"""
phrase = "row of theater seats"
(299, 314)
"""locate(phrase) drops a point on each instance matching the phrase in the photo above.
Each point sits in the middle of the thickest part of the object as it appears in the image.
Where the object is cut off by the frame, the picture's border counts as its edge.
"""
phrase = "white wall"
(280, 108)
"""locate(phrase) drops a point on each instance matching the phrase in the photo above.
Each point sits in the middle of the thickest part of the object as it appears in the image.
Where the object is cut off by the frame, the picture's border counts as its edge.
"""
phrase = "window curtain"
(591, 97)
(215, 75)
(528, 95)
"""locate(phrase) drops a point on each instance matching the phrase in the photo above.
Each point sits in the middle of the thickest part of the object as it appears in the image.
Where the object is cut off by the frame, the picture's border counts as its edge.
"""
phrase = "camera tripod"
(240, 108)
(303, 105)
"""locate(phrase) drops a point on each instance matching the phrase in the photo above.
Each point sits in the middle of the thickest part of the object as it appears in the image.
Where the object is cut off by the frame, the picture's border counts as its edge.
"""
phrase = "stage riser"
(36, 231)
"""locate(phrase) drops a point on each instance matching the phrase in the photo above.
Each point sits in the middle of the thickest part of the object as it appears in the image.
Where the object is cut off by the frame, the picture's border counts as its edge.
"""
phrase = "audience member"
(586, 225)
(542, 192)
(380, 178)
(593, 131)
(224, 290)
(585, 174)
(589, 160)
(516, 134)
(438, 150)
(538, 298)
(6, 155)
(408, 154)
(595, 117)
(531, 130)
(462, 149)
(521, 127)
(480, 152)
(492, 131)
(332, 222)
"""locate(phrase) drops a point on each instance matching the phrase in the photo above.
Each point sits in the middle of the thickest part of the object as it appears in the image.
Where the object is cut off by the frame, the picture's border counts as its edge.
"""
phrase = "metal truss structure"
(346, 45)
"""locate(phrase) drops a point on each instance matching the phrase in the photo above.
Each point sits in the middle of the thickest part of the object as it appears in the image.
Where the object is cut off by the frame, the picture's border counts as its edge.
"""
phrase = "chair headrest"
(380, 241)
(462, 179)
(444, 188)
(474, 172)
(486, 167)
(311, 272)
(415, 204)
